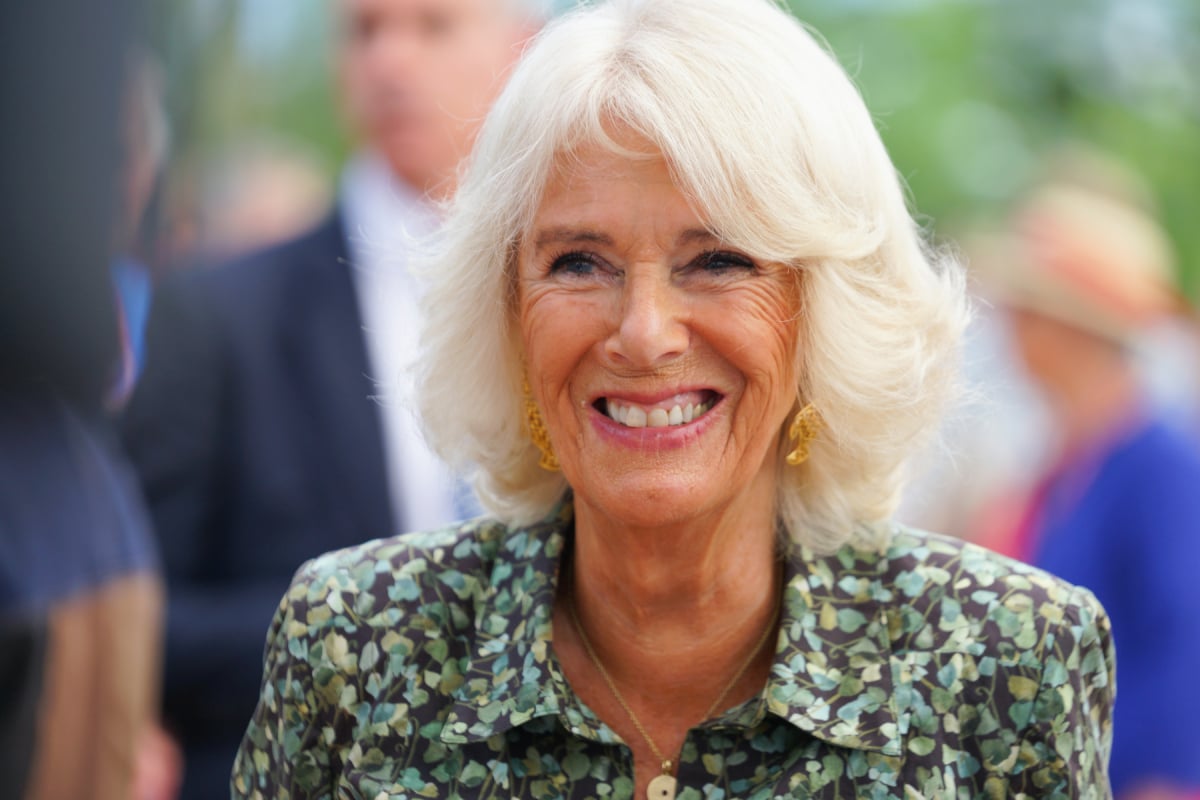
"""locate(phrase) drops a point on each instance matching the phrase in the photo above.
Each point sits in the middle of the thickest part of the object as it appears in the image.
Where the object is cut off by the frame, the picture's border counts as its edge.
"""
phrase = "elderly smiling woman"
(686, 331)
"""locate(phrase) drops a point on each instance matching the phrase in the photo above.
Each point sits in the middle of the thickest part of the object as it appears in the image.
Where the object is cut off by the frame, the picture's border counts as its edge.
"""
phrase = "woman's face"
(662, 358)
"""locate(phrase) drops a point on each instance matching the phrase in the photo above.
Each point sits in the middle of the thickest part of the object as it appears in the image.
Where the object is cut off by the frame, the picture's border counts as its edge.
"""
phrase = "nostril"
(649, 338)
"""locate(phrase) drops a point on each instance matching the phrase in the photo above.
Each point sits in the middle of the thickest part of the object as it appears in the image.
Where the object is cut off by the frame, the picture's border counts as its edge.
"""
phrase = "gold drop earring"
(804, 428)
(537, 430)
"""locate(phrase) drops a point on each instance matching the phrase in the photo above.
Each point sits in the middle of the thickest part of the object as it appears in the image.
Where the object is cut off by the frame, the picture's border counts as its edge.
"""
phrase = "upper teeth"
(637, 417)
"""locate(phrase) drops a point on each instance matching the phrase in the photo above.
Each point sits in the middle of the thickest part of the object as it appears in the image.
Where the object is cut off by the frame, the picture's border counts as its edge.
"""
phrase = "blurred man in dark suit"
(254, 429)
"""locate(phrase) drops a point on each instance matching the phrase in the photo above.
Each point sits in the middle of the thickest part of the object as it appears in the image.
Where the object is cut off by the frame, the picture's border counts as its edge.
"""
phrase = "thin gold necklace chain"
(612, 686)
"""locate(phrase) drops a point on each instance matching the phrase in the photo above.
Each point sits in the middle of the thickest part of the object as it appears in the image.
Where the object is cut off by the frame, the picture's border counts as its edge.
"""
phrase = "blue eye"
(722, 261)
(574, 264)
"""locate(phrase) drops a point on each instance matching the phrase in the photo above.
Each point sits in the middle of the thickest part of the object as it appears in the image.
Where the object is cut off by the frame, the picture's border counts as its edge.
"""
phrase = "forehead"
(626, 184)
(593, 167)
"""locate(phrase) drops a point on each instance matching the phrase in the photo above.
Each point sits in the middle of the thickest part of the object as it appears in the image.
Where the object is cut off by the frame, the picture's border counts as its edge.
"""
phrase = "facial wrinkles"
(741, 310)
(774, 300)
(764, 299)
(736, 349)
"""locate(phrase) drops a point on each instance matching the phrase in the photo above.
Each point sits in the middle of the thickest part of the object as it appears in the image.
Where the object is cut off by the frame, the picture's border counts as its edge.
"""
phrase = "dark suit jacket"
(258, 446)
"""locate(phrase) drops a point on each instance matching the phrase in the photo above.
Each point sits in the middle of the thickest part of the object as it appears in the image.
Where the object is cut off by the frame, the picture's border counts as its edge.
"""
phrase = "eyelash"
(725, 259)
(561, 263)
(709, 260)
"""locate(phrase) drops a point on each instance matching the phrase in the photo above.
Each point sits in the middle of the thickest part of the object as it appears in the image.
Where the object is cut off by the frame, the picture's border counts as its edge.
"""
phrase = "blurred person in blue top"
(1083, 271)
(255, 428)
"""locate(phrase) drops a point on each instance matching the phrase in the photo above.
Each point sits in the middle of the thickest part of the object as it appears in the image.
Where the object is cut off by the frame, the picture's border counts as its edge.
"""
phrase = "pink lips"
(662, 420)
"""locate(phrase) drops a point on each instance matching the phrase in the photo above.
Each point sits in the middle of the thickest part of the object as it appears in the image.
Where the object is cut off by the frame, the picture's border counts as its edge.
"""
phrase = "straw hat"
(1084, 255)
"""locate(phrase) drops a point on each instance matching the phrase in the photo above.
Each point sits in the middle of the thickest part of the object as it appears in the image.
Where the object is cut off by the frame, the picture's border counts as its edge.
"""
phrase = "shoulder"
(1158, 456)
(404, 564)
(955, 596)
(396, 616)
(1004, 665)
(1145, 483)
(419, 582)
(249, 278)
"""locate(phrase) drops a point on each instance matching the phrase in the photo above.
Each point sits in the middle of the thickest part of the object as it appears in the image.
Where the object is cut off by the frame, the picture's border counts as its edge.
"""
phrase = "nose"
(652, 328)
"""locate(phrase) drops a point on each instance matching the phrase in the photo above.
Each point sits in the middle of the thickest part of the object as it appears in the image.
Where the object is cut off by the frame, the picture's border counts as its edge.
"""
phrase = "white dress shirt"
(386, 222)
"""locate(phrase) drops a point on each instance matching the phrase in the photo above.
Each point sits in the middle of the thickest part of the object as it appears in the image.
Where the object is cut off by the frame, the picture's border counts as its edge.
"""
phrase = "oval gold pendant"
(662, 787)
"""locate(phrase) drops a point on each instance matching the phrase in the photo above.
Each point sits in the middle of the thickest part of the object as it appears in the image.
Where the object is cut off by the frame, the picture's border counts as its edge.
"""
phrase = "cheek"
(538, 314)
(764, 337)
(776, 376)
(780, 384)
(557, 330)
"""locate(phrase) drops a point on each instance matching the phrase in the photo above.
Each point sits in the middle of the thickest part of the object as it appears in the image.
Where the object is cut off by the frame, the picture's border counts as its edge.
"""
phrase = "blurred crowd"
(1079, 457)
(191, 388)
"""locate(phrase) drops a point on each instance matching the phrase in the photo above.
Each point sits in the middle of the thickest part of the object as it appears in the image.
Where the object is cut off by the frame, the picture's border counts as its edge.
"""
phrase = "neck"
(675, 614)
(660, 603)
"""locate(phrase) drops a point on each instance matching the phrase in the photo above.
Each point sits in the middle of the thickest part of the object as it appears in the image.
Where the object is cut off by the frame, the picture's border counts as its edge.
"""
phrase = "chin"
(666, 503)
(412, 163)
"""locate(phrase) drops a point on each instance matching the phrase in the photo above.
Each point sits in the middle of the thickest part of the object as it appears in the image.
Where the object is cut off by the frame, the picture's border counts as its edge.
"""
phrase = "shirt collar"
(512, 677)
(831, 676)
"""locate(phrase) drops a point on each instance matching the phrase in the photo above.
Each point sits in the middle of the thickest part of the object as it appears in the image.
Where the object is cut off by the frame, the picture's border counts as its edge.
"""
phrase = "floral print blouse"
(422, 667)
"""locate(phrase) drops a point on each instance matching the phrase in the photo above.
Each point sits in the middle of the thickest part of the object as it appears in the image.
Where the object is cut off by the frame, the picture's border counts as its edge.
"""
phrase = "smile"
(678, 410)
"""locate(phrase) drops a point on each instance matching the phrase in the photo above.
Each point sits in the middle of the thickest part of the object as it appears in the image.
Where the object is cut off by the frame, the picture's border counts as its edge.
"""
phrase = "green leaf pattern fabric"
(422, 666)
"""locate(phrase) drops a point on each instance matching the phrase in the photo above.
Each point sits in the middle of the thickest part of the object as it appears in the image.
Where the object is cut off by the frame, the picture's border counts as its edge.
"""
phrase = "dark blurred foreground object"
(1084, 271)
(79, 597)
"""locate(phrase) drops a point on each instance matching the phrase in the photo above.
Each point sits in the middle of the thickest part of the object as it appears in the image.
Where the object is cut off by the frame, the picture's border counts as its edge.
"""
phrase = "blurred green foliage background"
(968, 94)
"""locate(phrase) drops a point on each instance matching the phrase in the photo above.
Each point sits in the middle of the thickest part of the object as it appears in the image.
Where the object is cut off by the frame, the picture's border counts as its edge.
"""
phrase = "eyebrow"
(694, 235)
(569, 235)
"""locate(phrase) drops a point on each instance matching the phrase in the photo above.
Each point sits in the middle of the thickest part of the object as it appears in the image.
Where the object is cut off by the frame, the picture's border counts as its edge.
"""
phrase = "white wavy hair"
(767, 136)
